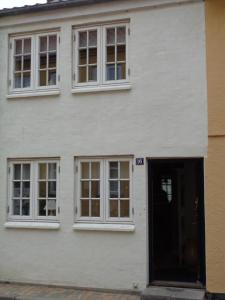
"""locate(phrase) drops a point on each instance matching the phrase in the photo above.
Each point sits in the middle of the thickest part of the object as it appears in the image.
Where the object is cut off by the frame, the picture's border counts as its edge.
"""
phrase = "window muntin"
(87, 56)
(21, 190)
(47, 60)
(90, 189)
(33, 190)
(115, 53)
(104, 190)
(34, 62)
(47, 184)
(22, 63)
(105, 60)
(119, 189)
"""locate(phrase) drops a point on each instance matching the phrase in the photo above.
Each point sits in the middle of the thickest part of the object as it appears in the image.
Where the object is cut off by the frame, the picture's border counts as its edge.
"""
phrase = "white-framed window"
(33, 188)
(101, 55)
(104, 190)
(34, 62)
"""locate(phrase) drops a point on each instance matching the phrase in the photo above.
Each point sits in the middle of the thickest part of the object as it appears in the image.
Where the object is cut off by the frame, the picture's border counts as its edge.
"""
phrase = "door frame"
(202, 261)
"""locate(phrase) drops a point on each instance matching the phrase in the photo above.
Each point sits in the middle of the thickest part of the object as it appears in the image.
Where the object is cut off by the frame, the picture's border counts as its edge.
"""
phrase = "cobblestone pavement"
(32, 292)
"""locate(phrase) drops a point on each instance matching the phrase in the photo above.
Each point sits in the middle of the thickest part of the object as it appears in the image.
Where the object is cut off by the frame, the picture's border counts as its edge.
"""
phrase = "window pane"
(43, 43)
(52, 77)
(95, 189)
(92, 73)
(26, 63)
(42, 208)
(93, 56)
(83, 57)
(52, 207)
(124, 189)
(18, 63)
(52, 60)
(17, 80)
(95, 208)
(18, 47)
(124, 169)
(43, 61)
(52, 189)
(113, 185)
(27, 46)
(121, 34)
(121, 71)
(93, 38)
(114, 208)
(84, 189)
(124, 208)
(110, 36)
(52, 170)
(111, 54)
(121, 53)
(42, 171)
(16, 189)
(95, 170)
(52, 42)
(42, 189)
(26, 79)
(82, 74)
(16, 207)
(84, 170)
(26, 189)
(113, 169)
(17, 172)
(43, 78)
(110, 70)
(25, 207)
(85, 208)
(26, 171)
(83, 39)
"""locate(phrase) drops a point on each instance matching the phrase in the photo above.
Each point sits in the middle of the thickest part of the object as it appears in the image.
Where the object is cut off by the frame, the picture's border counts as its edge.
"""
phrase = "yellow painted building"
(215, 163)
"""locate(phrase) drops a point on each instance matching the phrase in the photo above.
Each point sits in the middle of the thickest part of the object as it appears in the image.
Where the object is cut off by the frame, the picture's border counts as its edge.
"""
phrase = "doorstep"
(172, 293)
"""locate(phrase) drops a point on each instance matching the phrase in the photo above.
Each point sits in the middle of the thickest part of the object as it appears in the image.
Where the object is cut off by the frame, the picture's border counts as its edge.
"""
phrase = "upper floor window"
(34, 62)
(101, 55)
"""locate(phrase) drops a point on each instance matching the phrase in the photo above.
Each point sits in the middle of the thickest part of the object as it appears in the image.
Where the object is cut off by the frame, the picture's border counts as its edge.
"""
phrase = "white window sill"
(104, 227)
(32, 225)
(33, 94)
(101, 88)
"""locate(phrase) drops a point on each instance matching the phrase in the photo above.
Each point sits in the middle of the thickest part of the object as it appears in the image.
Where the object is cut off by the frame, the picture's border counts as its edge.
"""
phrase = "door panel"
(176, 221)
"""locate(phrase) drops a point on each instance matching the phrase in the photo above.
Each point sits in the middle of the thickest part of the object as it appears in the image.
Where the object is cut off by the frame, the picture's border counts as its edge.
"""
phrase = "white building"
(92, 94)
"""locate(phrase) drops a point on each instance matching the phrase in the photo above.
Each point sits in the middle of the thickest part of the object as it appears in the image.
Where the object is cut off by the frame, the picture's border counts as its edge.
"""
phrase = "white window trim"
(34, 87)
(104, 201)
(101, 73)
(32, 225)
(79, 191)
(109, 82)
(33, 191)
(76, 56)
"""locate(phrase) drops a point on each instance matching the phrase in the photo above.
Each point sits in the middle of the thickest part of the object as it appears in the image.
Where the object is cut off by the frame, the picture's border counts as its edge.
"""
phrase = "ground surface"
(31, 292)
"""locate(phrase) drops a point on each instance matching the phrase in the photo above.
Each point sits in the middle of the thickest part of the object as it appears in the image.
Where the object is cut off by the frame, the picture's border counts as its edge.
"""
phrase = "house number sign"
(139, 161)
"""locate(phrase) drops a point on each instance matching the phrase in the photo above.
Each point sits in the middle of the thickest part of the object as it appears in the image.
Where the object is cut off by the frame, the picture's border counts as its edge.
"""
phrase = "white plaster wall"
(164, 115)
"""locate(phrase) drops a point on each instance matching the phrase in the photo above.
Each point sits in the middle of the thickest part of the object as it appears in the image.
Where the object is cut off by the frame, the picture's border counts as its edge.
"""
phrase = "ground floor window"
(104, 189)
(33, 189)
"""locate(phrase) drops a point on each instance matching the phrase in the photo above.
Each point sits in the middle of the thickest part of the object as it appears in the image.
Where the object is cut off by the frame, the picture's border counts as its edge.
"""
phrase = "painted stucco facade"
(164, 114)
(215, 174)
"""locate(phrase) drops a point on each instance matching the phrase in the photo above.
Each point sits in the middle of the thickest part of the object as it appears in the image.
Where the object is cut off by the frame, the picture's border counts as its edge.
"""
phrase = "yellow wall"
(215, 163)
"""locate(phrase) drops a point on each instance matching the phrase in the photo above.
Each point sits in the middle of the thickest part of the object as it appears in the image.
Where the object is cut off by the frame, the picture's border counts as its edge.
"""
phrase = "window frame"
(104, 77)
(104, 191)
(101, 60)
(37, 64)
(34, 163)
(76, 56)
(34, 86)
